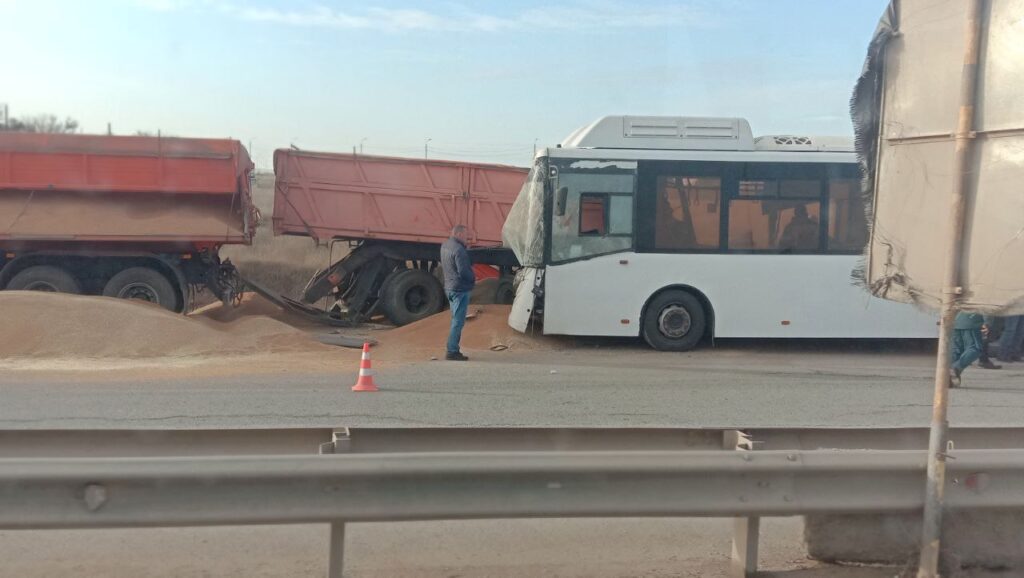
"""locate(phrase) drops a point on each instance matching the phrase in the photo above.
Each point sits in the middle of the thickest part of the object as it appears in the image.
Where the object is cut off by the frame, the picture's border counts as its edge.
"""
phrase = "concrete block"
(971, 539)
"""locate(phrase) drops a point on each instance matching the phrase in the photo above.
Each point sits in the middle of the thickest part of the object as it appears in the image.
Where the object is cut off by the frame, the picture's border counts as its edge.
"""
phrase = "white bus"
(678, 229)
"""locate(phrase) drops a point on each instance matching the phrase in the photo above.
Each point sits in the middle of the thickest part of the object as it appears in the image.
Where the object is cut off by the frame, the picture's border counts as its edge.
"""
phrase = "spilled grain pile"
(252, 305)
(52, 325)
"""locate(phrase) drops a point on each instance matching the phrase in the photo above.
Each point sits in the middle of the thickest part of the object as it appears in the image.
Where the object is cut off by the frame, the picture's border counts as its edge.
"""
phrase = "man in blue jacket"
(458, 283)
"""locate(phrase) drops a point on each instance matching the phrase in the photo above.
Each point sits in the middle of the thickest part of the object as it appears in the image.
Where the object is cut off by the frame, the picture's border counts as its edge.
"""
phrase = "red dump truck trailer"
(395, 212)
(123, 216)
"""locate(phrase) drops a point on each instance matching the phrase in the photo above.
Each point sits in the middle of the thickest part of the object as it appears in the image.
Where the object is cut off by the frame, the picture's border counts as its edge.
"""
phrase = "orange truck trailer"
(395, 213)
(123, 216)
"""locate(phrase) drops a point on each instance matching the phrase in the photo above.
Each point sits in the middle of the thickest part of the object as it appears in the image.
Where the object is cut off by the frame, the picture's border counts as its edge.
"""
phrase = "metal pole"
(336, 555)
(931, 528)
(425, 142)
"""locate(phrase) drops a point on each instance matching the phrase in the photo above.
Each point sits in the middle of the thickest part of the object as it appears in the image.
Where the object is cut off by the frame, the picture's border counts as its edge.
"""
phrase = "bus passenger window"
(687, 212)
(598, 217)
(593, 214)
(847, 225)
(620, 218)
(606, 214)
(783, 226)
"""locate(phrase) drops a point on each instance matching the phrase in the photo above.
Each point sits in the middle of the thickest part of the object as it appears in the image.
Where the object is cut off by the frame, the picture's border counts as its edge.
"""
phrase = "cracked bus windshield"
(547, 288)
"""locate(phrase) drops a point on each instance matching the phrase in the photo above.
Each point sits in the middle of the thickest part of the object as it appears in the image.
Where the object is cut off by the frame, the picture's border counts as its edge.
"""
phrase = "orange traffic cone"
(365, 381)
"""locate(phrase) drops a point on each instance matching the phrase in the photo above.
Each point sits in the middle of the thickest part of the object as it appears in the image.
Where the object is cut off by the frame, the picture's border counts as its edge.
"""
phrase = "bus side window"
(598, 215)
(847, 224)
(686, 212)
(604, 214)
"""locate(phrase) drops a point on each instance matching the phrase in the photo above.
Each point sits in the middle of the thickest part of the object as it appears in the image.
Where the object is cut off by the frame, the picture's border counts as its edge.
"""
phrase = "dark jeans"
(459, 301)
(1012, 338)
(967, 345)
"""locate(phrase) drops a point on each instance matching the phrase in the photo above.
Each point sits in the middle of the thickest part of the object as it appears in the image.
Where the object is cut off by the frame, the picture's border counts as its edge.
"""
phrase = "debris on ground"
(252, 305)
(350, 341)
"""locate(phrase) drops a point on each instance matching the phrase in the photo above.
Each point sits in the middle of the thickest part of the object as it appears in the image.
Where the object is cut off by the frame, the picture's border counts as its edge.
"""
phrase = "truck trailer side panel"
(357, 197)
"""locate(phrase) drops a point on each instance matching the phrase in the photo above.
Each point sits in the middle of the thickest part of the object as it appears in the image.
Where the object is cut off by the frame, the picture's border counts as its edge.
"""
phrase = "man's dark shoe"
(456, 357)
(954, 377)
(987, 364)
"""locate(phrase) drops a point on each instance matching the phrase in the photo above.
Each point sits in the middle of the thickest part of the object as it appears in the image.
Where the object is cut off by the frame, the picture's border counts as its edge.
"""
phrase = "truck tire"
(45, 278)
(674, 321)
(505, 293)
(144, 284)
(411, 295)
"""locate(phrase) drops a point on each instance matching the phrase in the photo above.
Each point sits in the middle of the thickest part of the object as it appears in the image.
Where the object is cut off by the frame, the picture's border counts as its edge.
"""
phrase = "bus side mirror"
(560, 198)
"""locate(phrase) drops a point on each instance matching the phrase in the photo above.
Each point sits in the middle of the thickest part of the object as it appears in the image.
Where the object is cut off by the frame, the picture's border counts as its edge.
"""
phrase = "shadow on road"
(837, 572)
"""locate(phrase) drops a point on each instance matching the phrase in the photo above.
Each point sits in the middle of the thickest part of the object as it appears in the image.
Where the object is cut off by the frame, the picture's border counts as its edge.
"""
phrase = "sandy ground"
(600, 548)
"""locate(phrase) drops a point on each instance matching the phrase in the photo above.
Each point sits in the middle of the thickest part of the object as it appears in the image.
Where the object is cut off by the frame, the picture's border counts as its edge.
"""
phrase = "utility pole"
(534, 148)
(110, 130)
(425, 149)
(952, 289)
(361, 144)
(6, 116)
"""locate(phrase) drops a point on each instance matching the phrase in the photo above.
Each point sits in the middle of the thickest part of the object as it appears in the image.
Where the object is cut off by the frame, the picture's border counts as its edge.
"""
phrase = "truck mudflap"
(297, 307)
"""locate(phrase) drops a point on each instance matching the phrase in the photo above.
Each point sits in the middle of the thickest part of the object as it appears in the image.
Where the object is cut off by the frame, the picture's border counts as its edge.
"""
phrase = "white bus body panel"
(752, 296)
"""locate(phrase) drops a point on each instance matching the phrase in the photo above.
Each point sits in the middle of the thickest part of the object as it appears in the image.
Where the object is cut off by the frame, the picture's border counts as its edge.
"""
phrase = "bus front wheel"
(674, 321)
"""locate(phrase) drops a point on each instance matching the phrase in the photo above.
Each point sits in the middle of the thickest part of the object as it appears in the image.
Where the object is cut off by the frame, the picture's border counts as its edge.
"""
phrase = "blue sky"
(482, 80)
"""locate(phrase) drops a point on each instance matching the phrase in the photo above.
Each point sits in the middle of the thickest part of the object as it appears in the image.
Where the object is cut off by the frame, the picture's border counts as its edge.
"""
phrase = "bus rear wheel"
(674, 321)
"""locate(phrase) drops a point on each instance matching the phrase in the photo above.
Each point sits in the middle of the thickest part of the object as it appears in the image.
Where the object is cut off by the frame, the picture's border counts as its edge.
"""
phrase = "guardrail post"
(336, 554)
(746, 532)
(745, 535)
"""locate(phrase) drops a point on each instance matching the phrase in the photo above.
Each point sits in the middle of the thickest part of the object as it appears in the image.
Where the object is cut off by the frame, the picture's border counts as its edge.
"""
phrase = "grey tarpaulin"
(904, 110)
(523, 231)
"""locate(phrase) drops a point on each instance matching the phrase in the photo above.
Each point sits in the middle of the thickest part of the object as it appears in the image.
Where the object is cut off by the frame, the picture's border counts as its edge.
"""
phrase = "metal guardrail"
(93, 493)
(386, 475)
(118, 443)
(36, 443)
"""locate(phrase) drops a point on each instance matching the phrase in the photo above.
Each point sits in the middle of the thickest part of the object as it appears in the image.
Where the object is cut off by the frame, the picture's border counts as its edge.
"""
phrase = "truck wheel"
(505, 293)
(45, 278)
(144, 284)
(674, 321)
(411, 295)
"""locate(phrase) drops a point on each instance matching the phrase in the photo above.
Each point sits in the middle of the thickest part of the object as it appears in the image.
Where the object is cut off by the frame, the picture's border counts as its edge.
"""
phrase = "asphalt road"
(738, 385)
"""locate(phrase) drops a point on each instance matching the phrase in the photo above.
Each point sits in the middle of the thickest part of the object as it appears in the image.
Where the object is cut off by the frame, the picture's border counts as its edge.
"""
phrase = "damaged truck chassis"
(400, 280)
